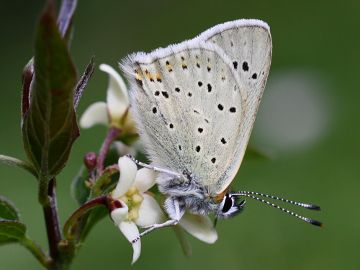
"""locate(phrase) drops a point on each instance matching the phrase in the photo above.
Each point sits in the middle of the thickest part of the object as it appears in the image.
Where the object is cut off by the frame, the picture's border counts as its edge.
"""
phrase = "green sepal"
(79, 189)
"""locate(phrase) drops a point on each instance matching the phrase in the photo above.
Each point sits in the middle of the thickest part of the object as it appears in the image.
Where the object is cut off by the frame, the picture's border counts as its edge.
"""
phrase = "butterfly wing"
(195, 102)
(188, 103)
(248, 44)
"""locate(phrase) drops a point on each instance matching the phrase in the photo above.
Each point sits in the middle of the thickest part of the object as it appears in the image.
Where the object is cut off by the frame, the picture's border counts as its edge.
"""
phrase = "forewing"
(188, 104)
(248, 45)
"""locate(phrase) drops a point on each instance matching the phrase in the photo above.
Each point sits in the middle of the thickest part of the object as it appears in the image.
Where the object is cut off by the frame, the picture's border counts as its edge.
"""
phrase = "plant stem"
(37, 251)
(52, 222)
(110, 137)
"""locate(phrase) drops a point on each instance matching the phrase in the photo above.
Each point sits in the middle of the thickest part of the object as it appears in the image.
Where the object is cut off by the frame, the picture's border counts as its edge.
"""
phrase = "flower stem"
(52, 221)
(110, 137)
(71, 225)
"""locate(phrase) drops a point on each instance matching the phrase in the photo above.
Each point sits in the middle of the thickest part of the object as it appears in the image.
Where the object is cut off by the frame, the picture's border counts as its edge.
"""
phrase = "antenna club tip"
(316, 223)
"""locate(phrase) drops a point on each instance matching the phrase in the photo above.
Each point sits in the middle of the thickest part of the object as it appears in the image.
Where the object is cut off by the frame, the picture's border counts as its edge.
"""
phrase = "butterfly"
(195, 104)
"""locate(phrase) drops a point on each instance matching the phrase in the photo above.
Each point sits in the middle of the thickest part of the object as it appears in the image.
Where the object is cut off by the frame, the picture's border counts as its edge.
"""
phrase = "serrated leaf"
(8, 210)
(49, 125)
(79, 190)
(11, 231)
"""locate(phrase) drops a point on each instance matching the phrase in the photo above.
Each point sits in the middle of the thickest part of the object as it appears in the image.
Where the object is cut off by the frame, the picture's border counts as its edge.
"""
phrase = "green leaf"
(79, 190)
(27, 77)
(49, 125)
(8, 210)
(11, 231)
(66, 13)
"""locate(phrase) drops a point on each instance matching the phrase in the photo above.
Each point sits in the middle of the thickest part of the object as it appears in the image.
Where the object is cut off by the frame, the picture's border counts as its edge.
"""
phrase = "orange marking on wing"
(219, 197)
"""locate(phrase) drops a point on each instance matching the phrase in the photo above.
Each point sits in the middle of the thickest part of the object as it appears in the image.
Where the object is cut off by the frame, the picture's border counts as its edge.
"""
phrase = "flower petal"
(131, 231)
(96, 113)
(199, 226)
(145, 179)
(149, 212)
(117, 96)
(128, 171)
(119, 215)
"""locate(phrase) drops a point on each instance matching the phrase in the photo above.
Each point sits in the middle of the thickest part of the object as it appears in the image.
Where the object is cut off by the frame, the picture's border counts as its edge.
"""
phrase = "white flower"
(115, 111)
(139, 208)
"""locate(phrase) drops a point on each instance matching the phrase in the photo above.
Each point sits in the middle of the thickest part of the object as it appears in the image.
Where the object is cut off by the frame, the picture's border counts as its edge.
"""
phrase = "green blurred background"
(312, 94)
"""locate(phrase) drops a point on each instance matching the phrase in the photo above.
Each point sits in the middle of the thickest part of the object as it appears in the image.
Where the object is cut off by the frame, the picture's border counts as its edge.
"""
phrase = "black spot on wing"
(235, 64)
(245, 66)
(165, 94)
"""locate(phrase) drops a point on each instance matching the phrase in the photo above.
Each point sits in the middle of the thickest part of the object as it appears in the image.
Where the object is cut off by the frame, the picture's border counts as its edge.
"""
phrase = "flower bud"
(90, 160)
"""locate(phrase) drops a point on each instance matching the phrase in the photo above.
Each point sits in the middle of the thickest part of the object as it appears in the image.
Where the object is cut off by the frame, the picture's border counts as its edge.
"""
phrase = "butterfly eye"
(229, 206)
(228, 203)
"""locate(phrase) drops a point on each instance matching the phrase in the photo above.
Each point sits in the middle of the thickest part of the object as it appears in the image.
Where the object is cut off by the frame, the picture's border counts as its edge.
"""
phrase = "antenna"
(253, 195)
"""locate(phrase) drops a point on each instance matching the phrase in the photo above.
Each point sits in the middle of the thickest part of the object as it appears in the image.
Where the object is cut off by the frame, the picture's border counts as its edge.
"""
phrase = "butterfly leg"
(175, 213)
(156, 169)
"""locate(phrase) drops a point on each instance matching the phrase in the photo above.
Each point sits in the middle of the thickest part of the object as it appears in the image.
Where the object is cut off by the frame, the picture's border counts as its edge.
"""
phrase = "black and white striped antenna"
(257, 196)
